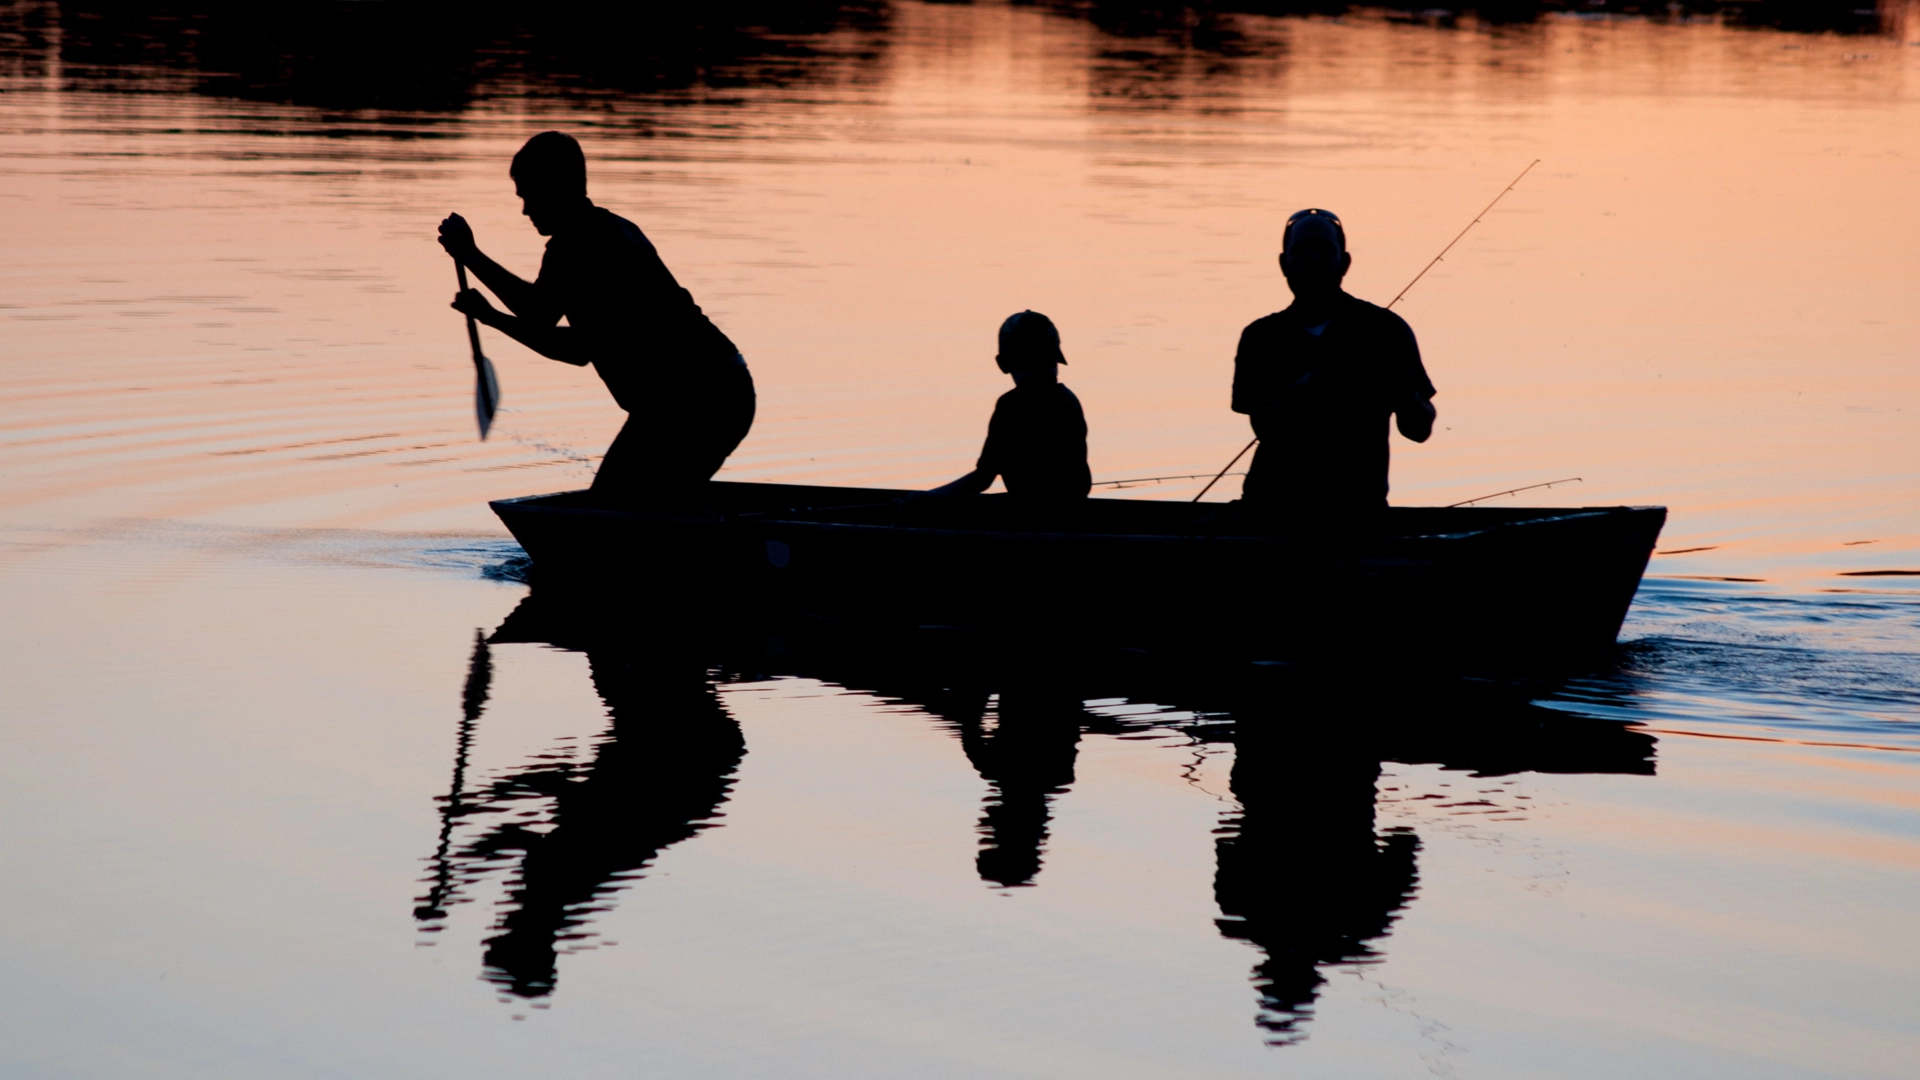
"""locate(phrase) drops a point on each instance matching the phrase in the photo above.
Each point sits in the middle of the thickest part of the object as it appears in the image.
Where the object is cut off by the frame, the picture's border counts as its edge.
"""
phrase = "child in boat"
(1037, 439)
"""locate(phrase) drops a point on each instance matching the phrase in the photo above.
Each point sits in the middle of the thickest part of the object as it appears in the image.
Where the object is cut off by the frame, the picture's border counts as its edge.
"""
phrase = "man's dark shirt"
(1037, 443)
(627, 315)
(1321, 405)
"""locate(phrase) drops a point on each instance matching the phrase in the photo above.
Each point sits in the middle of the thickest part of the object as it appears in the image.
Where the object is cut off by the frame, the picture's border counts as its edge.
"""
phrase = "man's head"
(1313, 253)
(1029, 344)
(550, 175)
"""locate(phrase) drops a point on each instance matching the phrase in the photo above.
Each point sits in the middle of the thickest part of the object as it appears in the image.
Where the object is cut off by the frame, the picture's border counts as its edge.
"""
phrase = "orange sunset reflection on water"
(233, 311)
(284, 730)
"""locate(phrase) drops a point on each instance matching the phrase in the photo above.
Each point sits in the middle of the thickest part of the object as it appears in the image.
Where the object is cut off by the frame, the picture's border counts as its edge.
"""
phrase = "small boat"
(1494, 591)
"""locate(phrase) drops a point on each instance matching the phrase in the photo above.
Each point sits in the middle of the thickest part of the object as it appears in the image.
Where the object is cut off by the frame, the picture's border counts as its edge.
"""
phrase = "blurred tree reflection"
(440, 56)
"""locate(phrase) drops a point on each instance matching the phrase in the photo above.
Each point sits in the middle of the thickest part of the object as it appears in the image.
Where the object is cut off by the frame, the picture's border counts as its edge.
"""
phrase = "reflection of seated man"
(1319, 381)
(686, 390)
(1037, 439)
(1302, 875)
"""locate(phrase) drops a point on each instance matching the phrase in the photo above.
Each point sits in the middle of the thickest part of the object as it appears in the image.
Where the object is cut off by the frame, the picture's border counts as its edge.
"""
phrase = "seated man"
(688, 395)
(1037, 439)
(1319, 381)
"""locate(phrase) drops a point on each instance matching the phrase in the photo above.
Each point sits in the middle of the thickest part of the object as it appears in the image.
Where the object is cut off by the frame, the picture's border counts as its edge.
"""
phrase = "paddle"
(486, 388)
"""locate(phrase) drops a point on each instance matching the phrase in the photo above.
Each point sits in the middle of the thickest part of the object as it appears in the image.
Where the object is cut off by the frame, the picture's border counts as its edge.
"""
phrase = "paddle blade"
(486, 393)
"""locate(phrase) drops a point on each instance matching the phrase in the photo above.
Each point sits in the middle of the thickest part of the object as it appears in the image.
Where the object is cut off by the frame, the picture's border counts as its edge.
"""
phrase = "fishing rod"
(1157, 479)
(1416, 280)
(1514, 491)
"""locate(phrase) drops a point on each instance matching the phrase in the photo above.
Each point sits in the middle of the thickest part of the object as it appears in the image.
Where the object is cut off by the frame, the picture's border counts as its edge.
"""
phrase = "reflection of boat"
(1471, 588)
(1305, 874)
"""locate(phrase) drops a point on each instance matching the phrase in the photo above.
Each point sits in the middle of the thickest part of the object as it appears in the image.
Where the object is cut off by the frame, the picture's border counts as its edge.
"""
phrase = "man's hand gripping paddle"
(486, 388)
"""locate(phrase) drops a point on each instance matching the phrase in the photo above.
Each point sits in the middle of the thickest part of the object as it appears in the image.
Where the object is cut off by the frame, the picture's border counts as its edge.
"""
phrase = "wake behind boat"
(1473, 590)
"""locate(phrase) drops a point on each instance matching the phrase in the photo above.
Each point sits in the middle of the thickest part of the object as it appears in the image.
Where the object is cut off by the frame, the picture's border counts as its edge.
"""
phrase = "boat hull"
(1488, 591)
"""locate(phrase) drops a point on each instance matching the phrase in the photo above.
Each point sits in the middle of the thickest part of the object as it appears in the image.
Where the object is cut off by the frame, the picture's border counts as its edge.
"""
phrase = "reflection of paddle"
(472, 701)
(486, 388)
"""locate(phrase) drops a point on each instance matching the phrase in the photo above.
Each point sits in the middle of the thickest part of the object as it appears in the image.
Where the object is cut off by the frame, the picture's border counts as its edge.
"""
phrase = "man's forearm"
(552, 342)
(518, 294)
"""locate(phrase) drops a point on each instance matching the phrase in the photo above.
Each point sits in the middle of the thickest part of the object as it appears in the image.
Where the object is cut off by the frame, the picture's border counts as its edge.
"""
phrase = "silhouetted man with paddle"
(685, 387)
(1319, 381)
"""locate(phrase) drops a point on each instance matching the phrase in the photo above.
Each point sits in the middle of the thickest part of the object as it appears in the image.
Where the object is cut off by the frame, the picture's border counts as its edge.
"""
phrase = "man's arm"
(553, 342)
(1246, 380)
(1415, 414)
(522, 297)
(1415, 420)
(1256, 389)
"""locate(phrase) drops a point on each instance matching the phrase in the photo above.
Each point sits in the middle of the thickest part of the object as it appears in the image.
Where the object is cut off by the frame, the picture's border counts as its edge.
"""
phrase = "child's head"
(1029, 344)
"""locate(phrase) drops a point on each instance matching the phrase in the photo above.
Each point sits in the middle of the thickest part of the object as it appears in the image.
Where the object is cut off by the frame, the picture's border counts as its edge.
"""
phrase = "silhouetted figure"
(685, 387)
(1028, 758)
(658, 776)
(1037, 439)
(1302, 874)
(1320, 380)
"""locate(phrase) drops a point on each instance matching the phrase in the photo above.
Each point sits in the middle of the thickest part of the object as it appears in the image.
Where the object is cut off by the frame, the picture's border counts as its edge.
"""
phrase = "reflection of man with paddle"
(685, 387)
(1319, 381)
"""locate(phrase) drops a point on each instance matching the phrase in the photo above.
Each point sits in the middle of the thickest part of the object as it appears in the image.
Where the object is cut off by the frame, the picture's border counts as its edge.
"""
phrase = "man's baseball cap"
(1324, 224)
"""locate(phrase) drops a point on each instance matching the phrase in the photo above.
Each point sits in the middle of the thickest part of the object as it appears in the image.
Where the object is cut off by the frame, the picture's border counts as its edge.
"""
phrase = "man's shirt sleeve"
(1408, 382)
(1249, 378)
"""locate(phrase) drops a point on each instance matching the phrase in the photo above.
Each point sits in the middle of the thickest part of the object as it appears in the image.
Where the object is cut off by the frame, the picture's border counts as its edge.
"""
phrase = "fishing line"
(1416, 280)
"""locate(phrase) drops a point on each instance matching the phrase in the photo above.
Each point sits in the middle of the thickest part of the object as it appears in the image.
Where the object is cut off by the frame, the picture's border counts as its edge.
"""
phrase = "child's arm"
(973, 483)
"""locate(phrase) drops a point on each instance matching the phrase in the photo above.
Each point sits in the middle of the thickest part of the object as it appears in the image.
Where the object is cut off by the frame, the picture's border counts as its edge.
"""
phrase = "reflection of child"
(1037, 439)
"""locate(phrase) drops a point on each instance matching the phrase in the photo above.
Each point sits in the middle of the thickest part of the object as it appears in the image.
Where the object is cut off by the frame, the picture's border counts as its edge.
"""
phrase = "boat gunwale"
(532, 504)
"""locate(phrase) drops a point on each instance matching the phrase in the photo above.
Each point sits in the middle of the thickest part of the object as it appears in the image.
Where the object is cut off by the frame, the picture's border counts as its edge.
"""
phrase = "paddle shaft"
(473, 328)
(1416, 280)
(486, 386)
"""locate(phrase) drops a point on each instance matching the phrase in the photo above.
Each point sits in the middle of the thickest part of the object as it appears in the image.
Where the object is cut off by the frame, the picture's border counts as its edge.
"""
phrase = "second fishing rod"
(1255, 441)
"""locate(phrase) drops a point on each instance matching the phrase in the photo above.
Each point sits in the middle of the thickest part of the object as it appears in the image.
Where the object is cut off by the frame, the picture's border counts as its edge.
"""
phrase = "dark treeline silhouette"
(1305, 873)
(436, 55)
(1210, 25)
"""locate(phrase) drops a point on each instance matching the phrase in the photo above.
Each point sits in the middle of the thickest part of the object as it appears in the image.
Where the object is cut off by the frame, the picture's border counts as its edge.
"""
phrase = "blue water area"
(1841, 664)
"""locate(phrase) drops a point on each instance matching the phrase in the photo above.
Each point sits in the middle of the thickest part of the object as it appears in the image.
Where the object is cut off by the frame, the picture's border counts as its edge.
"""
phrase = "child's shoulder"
(1051, 395)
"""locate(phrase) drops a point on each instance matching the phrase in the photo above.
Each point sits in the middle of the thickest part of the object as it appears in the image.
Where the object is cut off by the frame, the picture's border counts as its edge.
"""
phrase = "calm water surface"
(274, 812)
